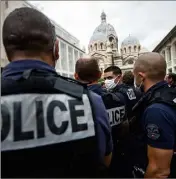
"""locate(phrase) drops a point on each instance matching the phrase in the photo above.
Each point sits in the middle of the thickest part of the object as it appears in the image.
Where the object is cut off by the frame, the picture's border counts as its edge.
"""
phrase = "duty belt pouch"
(77, 157)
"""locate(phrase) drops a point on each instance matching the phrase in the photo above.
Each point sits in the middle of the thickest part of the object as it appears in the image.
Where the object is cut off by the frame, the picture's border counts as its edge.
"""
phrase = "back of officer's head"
(150, 68)
(87, 70)
(128, 78)
(28, 33)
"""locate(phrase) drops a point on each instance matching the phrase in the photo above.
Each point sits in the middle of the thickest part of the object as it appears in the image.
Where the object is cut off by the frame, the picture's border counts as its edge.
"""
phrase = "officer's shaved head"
(87, 69)
(152, 64)
(28, 32)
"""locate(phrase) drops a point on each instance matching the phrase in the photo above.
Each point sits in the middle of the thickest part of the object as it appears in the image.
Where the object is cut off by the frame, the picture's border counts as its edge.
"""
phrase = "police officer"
(128, 89)
(113, 82)
(171, 79)
(51, 126)
(157, 115)
(87, 71)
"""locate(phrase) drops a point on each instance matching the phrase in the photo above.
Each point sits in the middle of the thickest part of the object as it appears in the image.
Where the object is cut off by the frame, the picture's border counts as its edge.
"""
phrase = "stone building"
(167, 47)
(104, 44)
(69, 45)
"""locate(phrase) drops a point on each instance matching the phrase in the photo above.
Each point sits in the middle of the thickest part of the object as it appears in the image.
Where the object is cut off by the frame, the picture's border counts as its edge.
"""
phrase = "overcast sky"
(149, 21)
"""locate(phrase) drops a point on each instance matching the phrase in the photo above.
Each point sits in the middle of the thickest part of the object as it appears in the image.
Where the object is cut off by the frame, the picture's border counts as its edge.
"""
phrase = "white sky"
(149, 21)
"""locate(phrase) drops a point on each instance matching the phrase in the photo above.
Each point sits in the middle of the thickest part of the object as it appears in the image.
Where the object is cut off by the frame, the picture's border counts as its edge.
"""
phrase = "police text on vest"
(116, 115)
(30, 120)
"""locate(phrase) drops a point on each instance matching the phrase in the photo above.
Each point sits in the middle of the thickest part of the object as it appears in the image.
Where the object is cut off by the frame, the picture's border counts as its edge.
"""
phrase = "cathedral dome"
(143, 50)
(130, 40)
(103, 32)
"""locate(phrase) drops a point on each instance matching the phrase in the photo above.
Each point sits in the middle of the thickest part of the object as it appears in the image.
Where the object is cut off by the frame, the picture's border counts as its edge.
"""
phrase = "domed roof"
(130, 40)
(143, 50)
(103, 31)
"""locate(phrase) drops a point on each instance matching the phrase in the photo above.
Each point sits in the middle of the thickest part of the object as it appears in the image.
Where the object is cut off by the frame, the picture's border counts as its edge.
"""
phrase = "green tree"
(101, 80)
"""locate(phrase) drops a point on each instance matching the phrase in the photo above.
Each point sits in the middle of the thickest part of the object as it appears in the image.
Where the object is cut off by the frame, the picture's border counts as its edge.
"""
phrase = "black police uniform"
(33, 142)
(116, 108)
(159, 94)
(173, 85)
(131, 96)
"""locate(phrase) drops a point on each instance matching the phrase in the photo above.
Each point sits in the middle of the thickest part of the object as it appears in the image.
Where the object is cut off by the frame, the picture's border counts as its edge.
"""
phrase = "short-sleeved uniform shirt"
(14, 71)
(159, 123)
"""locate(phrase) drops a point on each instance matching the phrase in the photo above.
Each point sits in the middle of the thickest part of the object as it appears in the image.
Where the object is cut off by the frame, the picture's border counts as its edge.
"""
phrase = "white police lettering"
(131, 94)
(116, 115)
(30, 120)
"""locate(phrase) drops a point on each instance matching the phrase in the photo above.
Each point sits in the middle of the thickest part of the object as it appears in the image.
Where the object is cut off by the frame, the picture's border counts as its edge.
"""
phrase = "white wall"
(170, 47)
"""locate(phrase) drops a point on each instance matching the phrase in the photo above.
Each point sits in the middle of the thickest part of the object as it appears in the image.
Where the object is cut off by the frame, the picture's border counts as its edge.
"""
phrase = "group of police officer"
(53, 126)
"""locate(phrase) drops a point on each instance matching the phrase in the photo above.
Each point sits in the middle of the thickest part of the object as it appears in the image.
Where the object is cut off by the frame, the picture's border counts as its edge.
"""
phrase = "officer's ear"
(142, 75)
(99, 75)
(118, 79)
(76, 76)
(56, 49)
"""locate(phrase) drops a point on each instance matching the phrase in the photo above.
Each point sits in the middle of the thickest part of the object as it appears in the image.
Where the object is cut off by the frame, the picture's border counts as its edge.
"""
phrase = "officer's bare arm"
(159, 162)
(107, 160)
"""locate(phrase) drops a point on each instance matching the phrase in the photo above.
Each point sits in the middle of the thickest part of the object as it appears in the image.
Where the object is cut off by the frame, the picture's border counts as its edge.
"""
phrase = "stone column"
(172, 56)
(108, 61)
(168, 57)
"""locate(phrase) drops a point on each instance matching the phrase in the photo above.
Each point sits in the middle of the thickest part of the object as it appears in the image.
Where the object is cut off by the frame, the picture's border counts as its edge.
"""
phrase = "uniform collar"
(97, 88)
(141, 103)
(16, 68)
(157, 85)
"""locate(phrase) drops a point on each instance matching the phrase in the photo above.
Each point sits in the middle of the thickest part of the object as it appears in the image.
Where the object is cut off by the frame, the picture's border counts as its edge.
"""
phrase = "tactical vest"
(48, 128)
(162, 94)
(117, 116)
(131, 95)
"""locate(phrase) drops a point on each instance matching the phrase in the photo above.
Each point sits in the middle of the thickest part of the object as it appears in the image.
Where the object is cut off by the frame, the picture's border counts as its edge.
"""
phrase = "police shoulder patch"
(153, 131)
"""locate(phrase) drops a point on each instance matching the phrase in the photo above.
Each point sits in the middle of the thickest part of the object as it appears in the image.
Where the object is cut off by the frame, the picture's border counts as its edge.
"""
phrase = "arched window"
(130, 62)
(130, 49)
(95, 46)
(121, 51)
(124, 50)
(101, 46)
(134, 48)
(139, 48)
(111, 39)
(112, 46)
(91, 48)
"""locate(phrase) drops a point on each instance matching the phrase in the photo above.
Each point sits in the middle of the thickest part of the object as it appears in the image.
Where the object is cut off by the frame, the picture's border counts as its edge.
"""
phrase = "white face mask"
(138, 86)
(110, 84)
